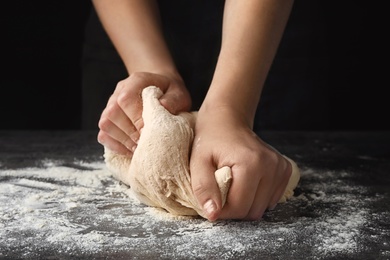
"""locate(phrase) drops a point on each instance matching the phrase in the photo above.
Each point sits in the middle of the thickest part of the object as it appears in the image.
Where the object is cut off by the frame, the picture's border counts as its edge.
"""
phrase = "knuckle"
(201, 193)
(124, 99)
(120, 85)
(269, 156)
(199, 190)
(128, 99)
(104, 124)
(252, 156)
(102, 137)
(109, 111)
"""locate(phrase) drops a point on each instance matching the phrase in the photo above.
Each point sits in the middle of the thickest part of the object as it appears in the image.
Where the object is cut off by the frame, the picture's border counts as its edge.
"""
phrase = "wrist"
(168, 73)
(160, 67)
(238, 100)
(226, 110)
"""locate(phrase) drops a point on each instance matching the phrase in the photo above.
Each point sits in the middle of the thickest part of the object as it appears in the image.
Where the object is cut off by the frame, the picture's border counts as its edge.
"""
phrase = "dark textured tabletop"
(57, 201)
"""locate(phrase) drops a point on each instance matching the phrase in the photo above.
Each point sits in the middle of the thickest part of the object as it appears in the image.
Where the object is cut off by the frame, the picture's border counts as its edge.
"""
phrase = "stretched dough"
(158, 172)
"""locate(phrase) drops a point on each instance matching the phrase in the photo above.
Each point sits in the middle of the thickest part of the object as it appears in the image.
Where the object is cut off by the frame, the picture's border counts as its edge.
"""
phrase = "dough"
(158, 173)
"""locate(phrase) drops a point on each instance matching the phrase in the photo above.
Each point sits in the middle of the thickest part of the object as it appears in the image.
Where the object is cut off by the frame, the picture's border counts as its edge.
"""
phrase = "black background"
(40, 78)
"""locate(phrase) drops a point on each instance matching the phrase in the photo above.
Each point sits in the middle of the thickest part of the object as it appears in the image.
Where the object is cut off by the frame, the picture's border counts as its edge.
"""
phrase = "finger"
(279, 192)
(113, 118)
(205, 187)
(241, 194)
(112, 144)
(131, 105)
(115, 133)
(261, 200)
(128, 96)
(206, 190)
(173, 102)
(116, 124)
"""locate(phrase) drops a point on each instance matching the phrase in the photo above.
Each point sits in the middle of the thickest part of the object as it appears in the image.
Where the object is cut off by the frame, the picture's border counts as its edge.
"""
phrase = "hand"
(260, 174)
(121, 121)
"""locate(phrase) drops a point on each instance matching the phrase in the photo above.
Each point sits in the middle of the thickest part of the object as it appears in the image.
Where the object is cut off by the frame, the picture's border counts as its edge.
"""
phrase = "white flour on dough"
(158, 173)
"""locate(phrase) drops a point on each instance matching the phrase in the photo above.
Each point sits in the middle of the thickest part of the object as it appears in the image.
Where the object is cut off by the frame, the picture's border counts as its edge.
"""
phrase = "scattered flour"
(79, 210)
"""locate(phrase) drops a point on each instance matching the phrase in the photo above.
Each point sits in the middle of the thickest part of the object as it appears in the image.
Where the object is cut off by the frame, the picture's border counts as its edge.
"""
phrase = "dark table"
(57, 201)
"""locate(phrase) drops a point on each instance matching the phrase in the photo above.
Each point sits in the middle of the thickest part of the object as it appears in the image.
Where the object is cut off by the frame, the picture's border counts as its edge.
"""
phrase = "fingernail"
(133, 148)
(209, 207)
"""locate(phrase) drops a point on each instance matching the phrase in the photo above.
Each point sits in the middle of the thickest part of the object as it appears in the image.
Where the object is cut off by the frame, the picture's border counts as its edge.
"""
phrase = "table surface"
(58, 201)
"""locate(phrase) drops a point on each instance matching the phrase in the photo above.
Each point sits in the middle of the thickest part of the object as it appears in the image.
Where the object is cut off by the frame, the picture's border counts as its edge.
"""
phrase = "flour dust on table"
(79, 210)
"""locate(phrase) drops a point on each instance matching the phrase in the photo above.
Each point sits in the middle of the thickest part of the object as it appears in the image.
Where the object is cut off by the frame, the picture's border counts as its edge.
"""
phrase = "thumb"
(175, 102)
(205, 187)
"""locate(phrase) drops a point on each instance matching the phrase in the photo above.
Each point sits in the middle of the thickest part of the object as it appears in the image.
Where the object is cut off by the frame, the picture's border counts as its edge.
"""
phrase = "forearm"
(134, 28)
(252, 30)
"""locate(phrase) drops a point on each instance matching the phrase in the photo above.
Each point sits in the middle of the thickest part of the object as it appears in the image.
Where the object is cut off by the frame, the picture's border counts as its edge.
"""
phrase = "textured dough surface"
(158, 173)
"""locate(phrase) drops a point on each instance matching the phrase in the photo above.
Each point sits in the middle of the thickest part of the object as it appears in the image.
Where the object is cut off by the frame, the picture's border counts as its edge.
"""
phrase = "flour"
(79, 210)
(159, 170)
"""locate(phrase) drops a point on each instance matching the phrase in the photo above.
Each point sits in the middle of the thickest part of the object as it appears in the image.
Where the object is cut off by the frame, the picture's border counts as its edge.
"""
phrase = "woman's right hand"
(121, 121)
